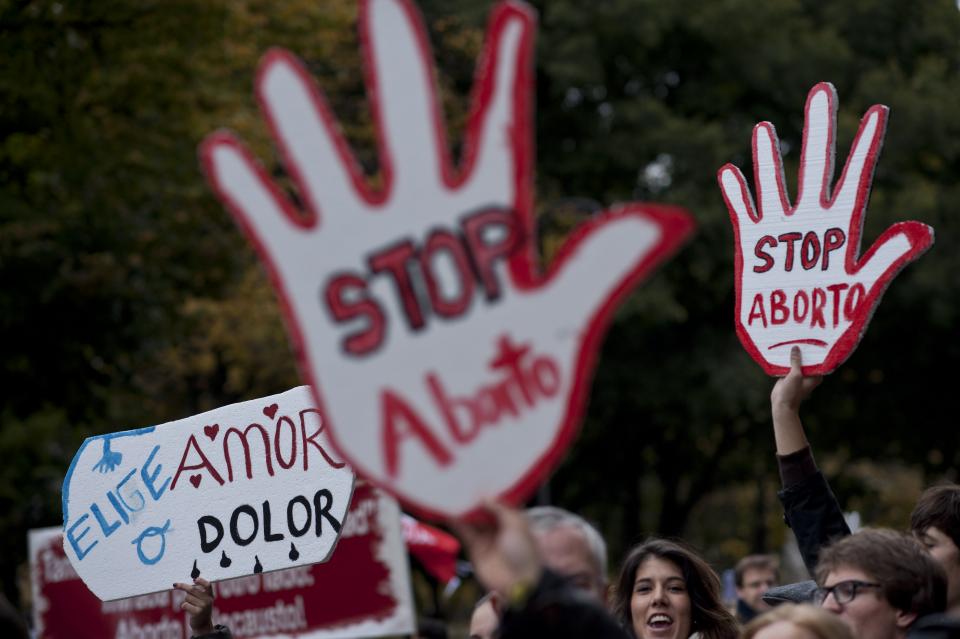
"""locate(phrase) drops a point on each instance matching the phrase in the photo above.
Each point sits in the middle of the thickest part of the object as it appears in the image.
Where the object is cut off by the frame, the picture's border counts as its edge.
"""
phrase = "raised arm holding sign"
(800, 279)
(447, 367)
(810, 507)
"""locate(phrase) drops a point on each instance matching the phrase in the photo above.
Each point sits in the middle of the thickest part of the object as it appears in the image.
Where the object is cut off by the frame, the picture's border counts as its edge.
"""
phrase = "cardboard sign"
(447, 366)
(243, 489)
(362, 591)
(800, 278)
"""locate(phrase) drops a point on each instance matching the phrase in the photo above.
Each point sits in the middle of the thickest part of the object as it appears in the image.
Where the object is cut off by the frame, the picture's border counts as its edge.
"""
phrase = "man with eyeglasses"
(811, 509)
(879, 582)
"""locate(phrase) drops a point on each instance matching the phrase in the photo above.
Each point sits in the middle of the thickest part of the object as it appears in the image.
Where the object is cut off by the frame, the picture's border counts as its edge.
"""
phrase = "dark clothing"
(12, 624)
(938, 626)
(744, 612)
(813, 512)
(557, 610)
(809, 506)
(219, 632)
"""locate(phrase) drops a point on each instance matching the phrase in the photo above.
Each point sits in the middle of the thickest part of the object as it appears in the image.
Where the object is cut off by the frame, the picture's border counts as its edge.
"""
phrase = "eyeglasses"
(843, 592)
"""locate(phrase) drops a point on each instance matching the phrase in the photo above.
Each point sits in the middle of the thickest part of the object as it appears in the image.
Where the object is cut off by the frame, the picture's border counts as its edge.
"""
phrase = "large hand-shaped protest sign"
(247, 488)
(448, 368)
(800, 278)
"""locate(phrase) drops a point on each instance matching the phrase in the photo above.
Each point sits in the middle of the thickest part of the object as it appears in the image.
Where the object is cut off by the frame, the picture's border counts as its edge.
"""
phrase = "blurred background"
(128, 296)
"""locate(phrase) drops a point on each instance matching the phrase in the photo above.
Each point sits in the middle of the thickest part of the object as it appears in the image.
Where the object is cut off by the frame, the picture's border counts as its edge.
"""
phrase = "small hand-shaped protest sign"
(246, 488)
(800, 278)
(447, 366)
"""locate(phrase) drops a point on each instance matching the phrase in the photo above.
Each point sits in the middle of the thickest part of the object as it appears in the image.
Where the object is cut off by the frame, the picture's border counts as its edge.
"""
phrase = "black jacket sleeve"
(810, 508)
(559, 611)
(219, 632)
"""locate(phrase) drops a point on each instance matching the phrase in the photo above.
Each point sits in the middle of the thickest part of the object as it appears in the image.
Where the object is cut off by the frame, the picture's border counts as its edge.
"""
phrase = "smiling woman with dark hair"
(666, 591)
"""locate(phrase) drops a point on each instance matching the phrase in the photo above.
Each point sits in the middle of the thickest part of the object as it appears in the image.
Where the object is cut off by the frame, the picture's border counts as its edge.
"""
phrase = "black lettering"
(291, 526)
(206, 545)
(325, 510)
(267, 535)
(234, 528)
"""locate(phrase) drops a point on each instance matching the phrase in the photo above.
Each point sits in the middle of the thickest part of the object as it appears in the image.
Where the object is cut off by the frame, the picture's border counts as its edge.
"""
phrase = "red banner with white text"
(362, 591)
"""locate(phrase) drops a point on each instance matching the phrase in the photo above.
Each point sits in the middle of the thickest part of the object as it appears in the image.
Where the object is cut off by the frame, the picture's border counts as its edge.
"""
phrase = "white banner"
(247, 488)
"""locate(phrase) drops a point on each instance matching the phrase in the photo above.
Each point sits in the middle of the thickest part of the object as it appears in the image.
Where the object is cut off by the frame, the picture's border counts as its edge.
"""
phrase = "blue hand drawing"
(110, 460)
(92, 441)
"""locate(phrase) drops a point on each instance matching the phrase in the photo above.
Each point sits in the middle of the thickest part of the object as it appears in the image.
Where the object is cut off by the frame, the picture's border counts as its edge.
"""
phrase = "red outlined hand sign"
(448, 369)
(800, 278)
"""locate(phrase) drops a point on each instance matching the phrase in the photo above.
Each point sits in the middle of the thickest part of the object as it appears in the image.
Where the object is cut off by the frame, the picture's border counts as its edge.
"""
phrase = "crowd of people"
(874, 584)
(545, 569)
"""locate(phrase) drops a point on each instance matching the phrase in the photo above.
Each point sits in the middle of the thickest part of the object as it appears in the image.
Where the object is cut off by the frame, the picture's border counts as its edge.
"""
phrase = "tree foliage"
(129, 298)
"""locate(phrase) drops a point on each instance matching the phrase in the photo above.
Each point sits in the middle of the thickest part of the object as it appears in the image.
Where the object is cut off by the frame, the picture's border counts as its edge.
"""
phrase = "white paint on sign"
(246, 488)
(450, 366)
(800, 278)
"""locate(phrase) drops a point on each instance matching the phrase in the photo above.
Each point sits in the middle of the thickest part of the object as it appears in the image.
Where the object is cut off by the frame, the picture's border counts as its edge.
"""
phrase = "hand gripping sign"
(447, 368)
(800, 278)
(247, 488)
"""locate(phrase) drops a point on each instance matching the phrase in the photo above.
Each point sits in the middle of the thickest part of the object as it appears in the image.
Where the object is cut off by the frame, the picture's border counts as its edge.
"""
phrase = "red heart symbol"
(211, 431)
(270, 410)
(195, 480)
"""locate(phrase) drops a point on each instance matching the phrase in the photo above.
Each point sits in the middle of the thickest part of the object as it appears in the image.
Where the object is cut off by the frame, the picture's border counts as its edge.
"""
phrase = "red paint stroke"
(270, 410)
(811, 342)
(211, 431)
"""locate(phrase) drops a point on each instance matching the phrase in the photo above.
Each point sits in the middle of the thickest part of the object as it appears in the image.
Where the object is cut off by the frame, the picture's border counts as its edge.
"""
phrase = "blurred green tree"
(641, 99)
(127, 297)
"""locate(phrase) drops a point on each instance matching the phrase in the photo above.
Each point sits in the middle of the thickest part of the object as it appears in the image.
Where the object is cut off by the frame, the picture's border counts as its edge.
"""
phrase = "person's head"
(755, 575)
(935, 521)
(665, 590)
(792, 621)
(571, 547)
(879, 582)
(485, 618)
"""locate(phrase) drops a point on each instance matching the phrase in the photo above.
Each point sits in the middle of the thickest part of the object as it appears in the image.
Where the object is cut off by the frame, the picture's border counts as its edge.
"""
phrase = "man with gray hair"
(510, 558)
(571, 548)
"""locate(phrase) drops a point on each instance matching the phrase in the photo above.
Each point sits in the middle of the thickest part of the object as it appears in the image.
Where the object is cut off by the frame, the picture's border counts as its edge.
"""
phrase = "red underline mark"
(811, 342)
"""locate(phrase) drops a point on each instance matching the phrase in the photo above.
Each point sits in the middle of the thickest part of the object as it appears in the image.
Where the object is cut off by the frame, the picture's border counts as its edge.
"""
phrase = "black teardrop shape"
(257, 568)
(196, 571)
(294, 553)
(224, 560)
